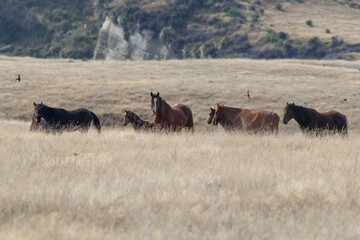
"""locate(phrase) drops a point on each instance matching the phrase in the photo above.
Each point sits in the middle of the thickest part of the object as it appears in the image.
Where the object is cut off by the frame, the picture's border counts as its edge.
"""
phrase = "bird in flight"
(18, 78)
(248, 93)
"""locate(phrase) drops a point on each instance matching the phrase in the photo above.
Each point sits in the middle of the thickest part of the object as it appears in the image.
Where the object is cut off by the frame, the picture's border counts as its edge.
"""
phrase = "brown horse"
(59, 120)
(225, 124)
(311, 120)
(171, 118)
(136, 122)
(243, 119)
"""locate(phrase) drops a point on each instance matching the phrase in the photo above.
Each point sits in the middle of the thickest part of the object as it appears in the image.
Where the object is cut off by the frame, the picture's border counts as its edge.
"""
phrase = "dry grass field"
(207, 185)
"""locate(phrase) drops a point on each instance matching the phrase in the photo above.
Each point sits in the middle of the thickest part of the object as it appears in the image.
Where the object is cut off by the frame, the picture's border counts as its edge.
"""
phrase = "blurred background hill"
(158, 29)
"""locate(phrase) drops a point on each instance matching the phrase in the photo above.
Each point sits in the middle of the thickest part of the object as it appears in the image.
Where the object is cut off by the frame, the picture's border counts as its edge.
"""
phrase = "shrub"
(234, 12)
(209, 3)
(313, 49)
(166, 34)
(252, 8)
(282, 36)
(58, 15)
(327, 31)
(309, 23)
(54, 49)
(254, 18)
(289, 51)
(271, 36)
(278, 7)
(336, 42)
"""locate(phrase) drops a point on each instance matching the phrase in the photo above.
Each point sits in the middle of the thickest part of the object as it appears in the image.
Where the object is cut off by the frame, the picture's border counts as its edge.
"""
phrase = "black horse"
(59, 120)
(311, 120)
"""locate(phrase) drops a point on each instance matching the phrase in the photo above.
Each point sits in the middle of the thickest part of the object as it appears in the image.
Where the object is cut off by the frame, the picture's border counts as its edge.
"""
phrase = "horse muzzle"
(285, 121)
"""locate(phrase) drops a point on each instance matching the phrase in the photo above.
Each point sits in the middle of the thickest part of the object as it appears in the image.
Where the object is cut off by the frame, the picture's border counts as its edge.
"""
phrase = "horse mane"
(301, 108)
(231, 108)
(165, 104)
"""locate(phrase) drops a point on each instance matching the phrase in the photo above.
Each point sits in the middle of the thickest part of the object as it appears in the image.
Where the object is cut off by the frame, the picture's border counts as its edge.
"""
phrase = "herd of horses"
(179, 116)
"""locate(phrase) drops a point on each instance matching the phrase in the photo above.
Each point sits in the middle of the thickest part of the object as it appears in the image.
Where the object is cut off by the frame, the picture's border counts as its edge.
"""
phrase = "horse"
(244, 119)
(59, 120)
(312, 121)
(225, 124)
(42, 126)
(136, 122)
(171, 118)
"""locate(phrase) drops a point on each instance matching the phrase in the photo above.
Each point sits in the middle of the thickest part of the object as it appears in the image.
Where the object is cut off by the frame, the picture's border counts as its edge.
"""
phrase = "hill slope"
(188, 28)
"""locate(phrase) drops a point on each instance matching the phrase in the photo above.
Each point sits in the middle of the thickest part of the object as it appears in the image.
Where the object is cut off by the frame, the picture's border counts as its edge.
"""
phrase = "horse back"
(181, 109)
(265, 119)
(182, 115)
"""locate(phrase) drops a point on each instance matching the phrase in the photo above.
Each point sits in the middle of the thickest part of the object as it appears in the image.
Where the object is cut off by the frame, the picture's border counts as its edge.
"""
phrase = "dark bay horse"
(171, 118)
(136, 122)
(243, 119)
(311, 120)
(59, 120)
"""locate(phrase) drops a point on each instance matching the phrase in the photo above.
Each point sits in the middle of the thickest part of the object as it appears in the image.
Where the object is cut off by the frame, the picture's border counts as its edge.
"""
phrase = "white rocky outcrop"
(141, 45)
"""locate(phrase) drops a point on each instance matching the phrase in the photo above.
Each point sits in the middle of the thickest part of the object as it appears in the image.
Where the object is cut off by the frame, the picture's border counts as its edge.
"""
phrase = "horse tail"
(275, 122)
(96, 122)
(344, 128)
(190, 122)
(341, 123)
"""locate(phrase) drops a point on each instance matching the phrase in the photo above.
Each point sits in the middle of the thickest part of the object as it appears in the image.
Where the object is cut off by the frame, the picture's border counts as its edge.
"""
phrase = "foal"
(136, 122)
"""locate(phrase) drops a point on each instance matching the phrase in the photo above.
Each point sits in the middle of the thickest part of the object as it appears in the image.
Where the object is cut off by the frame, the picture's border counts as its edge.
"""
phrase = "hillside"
(323, 29)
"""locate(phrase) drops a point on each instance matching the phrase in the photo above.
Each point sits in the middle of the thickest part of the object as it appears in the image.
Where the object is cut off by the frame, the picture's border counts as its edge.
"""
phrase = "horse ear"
(158, 94)
(151, 94)
(287, 103)
(211, 109)
(125, 111)
(41, 102)
(293, 103)
(34, 104)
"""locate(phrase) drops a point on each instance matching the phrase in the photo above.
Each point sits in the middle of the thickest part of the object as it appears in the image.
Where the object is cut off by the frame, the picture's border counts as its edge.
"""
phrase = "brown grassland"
(207, 185)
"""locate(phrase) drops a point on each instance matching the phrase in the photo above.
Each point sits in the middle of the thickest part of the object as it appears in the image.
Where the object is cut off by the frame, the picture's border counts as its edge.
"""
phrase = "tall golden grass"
(206, 185)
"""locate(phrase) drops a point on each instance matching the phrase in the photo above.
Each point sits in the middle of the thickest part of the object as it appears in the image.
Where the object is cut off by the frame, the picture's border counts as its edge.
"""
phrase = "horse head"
(126, 118)
(211, 115)
(42, 111)
(288, 112)
(129, 117)
(218, 115)
(156, 102)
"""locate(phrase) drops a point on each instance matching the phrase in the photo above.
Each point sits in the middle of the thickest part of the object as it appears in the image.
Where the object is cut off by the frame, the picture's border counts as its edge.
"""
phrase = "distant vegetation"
(189, 28)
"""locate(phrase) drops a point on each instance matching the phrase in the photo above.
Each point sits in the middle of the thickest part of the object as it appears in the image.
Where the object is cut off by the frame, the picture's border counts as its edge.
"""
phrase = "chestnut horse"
(311, 120)
(59, 120)
(171, 118)
(243, 119)
(136, 122)
(42, 126)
